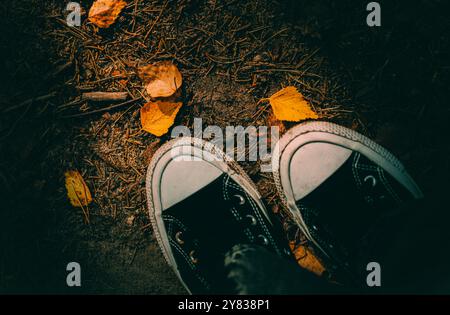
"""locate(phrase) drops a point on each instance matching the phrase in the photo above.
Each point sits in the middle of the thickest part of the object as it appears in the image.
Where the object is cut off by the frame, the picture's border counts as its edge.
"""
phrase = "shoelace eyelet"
(239, 199)
(263, 239)
(251, 219)
(192, 256)
(372, 180)
(178, 238)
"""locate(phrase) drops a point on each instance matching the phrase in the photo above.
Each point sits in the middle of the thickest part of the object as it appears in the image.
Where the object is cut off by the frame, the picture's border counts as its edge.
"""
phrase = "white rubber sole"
(326, 132)
(181, 148)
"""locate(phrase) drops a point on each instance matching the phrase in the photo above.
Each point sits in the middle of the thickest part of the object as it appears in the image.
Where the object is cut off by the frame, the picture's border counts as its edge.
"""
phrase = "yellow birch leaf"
(103, 13)
(77, 190)
(289, 105)
(163, 79)
(306, 259)
(158, 117)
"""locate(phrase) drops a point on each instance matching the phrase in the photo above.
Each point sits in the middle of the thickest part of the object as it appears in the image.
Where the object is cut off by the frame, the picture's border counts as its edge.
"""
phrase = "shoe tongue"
(209, 229)
(207, 216)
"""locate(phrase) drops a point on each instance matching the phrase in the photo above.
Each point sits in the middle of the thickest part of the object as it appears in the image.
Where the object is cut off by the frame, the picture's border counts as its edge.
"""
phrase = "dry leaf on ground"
(77, 190)
(289, 105)
(103, 13)
(306, 259)
(158, 117)
(163, 79)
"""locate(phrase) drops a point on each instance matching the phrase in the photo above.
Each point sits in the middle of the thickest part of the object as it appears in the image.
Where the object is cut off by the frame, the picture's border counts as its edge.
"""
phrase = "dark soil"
(390, 83)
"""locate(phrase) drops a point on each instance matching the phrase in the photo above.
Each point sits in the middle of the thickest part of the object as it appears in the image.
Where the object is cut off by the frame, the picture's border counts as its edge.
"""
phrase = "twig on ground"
(104, 96)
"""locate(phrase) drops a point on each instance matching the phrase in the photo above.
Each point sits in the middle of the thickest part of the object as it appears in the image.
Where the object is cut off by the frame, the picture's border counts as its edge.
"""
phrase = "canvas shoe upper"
(338, 184)
(201, 204)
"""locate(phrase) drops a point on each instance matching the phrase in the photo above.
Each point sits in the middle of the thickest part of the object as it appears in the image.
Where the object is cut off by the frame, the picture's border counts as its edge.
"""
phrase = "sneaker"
(201, 204)
(337, 184)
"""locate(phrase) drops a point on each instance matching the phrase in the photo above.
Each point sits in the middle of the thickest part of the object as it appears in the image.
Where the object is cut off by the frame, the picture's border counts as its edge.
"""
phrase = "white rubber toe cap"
(312, 164)
(182, 179)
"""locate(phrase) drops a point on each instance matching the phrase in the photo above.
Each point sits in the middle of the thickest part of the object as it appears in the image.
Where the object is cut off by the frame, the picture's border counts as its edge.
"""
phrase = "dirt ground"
(390, 83)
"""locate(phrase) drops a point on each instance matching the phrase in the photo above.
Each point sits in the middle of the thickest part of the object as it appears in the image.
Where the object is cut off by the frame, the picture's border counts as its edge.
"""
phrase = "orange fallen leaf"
(289, 105)
(163, 79)
(158, 117)
(77, 190)
(103, 13)
(306, 259)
